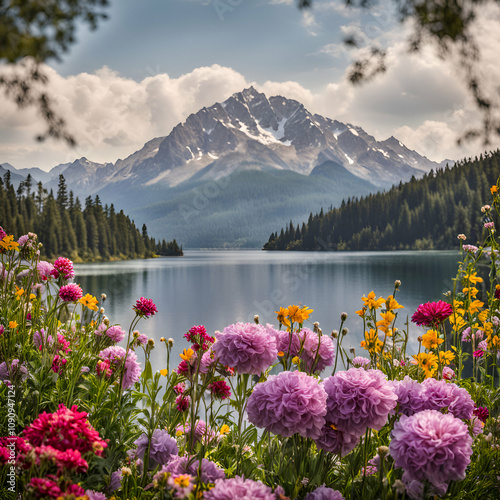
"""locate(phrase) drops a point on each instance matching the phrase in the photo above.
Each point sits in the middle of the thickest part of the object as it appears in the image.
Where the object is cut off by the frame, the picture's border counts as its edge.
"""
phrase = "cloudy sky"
(154, 62)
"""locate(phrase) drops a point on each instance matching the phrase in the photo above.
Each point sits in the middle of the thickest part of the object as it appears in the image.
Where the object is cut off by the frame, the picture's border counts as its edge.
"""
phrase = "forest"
(94, 232)
(423, 214)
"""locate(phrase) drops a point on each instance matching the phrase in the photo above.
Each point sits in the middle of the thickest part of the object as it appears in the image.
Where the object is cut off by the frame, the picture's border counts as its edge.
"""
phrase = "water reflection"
(216, 288)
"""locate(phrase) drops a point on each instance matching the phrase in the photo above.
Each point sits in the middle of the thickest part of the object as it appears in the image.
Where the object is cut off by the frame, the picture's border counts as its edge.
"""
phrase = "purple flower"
(70, 293)
(358, 399)
(336, 441)
(209, 472)
(94, 495)
(163, 448)
(40, 336)
(240, 488)
(410, 395)
(15, 369)
(483, 345)
(115, 355)
(440, 394)
(324, 493)
(316, 352)
(431, 446)
(115, 333)
(246, 347)
(360, 362)
(145, 307)
(22, 239)
(289, 403)
(115, 481)
(470, 248)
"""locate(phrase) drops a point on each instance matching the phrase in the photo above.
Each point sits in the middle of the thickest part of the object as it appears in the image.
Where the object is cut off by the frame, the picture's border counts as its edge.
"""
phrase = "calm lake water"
(217, 288)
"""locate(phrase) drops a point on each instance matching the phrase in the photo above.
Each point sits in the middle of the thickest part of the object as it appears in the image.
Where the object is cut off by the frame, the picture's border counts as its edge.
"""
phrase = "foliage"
(422, 214)
(95, 232)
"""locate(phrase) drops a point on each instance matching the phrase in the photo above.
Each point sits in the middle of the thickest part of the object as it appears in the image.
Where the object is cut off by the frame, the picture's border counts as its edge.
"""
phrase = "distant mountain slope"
(427, 213)
(248, 132)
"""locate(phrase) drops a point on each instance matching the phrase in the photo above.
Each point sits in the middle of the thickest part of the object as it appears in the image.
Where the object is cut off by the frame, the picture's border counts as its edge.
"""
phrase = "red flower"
(432, 313)
(220, 389)
(482, 413)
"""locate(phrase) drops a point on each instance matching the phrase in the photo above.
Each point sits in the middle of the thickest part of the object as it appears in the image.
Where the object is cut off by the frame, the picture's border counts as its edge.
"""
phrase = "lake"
(217, 288)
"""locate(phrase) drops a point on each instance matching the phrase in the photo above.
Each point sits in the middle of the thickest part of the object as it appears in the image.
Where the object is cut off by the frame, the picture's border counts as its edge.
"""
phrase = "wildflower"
(482, 413)
(426, 361)
(64, 267)
(145, 307)
(115, 333)
(63, 429)
(89, 301)
(116, 357)
(58, 363)
(187, 354)
(490, 225)
(238, 487)
(448, 373)
(462, 237)
(282, 316)
(8, 243)
(493, 189)
(470, 248)
(224, 430)
(478, 353)
(472, 278)
(288, 403)
(359, 399)
(372, 343)
(247, 347)
(162, 448)
(12, 324)
(432, 313)
(392, 304)
(371, 302)
(104, 367)
(70, 293)
(182, 401)
(431, 446)
(209, 472)
(431, 340)
(446, 357)
(220, 389)
(45, 270)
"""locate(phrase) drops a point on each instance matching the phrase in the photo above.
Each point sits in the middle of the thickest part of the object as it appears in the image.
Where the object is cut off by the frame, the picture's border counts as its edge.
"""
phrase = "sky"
(154, 62)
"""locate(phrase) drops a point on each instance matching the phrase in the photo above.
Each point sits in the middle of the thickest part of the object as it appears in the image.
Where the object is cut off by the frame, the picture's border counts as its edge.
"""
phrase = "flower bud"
(343, 316)
(151, 343)
(397, 284)
(345, 331)
(162, 339)
(103, 297)
(420, 339)
(105, 321)
(136, 333)
(462, 237)
(170, 342)
(256, 319)
(382, 451)
(101, 310)
(335, 334)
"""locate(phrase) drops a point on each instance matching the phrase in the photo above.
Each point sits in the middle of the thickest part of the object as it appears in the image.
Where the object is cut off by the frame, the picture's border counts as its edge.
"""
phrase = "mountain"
(248, 132)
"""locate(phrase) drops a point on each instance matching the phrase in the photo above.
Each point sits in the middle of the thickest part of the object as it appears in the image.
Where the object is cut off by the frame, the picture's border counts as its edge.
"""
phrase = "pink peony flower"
(432, 313)
(240, 488)
(116, 356)
(336, 441)
(70, 293)
(289, 403)
(245, 346)
(324, 493)
(115, 333)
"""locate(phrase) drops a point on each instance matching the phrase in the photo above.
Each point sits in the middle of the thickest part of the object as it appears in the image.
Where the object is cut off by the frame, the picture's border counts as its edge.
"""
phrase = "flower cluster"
(63, 267)
(145, 307)
(199, 338)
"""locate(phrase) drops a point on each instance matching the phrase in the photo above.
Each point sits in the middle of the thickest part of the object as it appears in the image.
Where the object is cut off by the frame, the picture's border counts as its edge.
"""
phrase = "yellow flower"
(475, 306)
(32, 296)
(458, 322)
(494, 343)
(361, 312)
(12, 324)
(392, 304)
(493, 189)
(179, 432)
(282, 316)
(371, 302)
(8, 244)
(164, 372)
(483, 315)
(488, 328)
(472, 291)
(372, 343)
(446, 357)
(224, 430)
(182, 480)
(430, 340)
(472, 278)
(89, 301)
(19, 292)
(428, 363)
(385, 322)
(296, 360)
(187, 354)
(302, 314)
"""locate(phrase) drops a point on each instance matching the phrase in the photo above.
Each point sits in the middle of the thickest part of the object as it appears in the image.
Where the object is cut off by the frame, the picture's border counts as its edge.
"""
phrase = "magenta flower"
(66, 428)
(482, 413)
(478, 353)
(220, 389)
(162, 449)
(145, 307)
(64, 267)
(95, 495)
(240, 488)
(359, 399)
(45, 270)
(198, 336)
(70, 293)
(324, 493)
(431, 313)
(182, 401)
(247, 347)
(431, 446)
(116, 356)
(289, 403)
(58, 363)
(3, 234)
